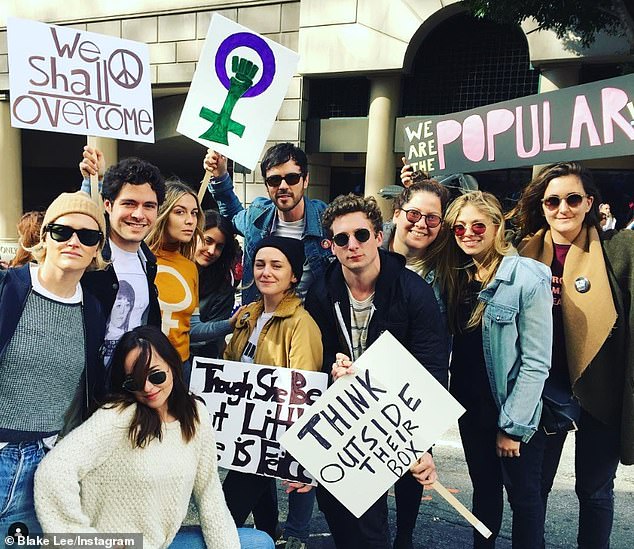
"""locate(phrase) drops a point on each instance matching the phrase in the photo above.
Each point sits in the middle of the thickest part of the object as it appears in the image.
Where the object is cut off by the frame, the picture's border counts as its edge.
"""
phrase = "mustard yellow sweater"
(95, 481)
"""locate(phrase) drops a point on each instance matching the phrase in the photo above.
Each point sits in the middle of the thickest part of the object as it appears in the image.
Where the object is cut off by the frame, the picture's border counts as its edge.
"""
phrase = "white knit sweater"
(95, 481)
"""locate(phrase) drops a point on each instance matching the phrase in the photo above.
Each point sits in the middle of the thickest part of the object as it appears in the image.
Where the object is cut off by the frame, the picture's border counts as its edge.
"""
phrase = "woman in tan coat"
(275, 330)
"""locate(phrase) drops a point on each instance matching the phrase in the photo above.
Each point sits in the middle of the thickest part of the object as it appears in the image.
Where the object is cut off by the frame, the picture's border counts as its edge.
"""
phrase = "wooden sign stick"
(94, 178)
(203, 187)
(455, 503)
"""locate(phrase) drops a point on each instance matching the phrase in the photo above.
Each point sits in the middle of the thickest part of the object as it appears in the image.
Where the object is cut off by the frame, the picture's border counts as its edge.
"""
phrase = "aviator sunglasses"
(573, 200)
(155, 378)
(477, 229)
(63, 233)
(290, 178)
(431, 220)
(342, 239)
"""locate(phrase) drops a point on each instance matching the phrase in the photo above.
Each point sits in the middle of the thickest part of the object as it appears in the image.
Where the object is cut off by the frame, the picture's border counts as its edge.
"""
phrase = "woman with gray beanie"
(50, 333)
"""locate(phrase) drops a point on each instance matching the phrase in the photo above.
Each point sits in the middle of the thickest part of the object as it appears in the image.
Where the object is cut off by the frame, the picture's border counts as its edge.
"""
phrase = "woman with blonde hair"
(51, 330)
(499, 312)
(590, 386)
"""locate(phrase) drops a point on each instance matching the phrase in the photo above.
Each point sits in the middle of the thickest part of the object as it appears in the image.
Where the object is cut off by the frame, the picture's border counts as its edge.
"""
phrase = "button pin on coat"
(582, 284)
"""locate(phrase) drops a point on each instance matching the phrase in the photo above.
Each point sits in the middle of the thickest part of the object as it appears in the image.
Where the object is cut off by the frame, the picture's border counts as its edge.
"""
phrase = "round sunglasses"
(63, 233)
(155, 378)
(573, 200)
(477, 228)
(342, 239)
(431, 220)
(290, 178)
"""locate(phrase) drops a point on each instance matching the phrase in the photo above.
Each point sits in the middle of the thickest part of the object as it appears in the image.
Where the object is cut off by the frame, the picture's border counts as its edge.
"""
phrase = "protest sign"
(251, 406)
(578, 123)
(368, 428)
(240, 82)
(72, 81)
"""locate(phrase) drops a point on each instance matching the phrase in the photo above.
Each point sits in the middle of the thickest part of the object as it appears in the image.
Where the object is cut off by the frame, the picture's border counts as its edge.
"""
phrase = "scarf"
(589, 317)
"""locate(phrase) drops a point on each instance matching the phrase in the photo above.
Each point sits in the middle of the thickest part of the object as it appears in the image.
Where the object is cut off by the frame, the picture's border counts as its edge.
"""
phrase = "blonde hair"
(457, 272)
(174, 191)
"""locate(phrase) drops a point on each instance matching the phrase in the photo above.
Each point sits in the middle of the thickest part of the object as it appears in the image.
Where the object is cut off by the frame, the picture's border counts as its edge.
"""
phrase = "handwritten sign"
(240, 82)
(368, 428)
(578, 123)
(251, 406)
(72, 81)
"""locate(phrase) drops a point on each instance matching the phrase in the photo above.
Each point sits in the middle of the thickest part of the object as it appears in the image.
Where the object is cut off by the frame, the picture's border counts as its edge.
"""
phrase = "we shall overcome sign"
(251, 406)
(71, 81)
(240, 82)
(368, 428)
(578, 123)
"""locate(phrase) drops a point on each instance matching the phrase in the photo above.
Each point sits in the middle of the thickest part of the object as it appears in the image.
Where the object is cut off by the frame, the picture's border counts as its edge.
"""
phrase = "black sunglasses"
(290, 178)
(431, 220)
(155, 378)
(342, 239)
(63, 233)
(573, 200)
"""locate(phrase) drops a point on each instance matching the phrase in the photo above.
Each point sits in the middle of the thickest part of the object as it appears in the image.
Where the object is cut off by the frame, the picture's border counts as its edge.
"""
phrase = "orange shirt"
(177, 283)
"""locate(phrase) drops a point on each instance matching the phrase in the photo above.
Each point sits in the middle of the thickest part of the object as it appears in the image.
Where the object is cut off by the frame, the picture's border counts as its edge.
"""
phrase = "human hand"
(298, 487)
(215, 163)
(406, 173)
(93, 163)
(505, 446)
(424, 470)
(342, 366)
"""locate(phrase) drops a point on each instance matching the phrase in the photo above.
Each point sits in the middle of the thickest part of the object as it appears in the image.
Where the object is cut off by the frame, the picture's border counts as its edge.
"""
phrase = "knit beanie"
(292, 248)
(69, 203)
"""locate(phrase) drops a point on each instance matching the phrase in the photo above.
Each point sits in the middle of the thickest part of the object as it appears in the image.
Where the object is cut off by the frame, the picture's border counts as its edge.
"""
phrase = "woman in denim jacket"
(499, 308)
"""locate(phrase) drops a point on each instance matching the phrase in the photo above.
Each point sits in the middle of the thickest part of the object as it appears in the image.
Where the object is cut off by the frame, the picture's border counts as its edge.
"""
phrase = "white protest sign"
(368, 428)
(240, 82)
(72, 81)
(251, 406)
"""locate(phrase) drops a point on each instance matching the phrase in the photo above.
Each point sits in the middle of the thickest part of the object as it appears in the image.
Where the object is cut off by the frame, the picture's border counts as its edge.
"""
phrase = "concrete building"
(364, 65)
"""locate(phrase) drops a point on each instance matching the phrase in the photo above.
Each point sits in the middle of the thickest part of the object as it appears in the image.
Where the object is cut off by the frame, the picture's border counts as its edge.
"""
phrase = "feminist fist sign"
(244, 71)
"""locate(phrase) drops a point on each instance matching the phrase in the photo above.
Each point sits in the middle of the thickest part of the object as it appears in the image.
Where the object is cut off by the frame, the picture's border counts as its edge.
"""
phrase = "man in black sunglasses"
(132, 192)
(365, 292)
(286, 212)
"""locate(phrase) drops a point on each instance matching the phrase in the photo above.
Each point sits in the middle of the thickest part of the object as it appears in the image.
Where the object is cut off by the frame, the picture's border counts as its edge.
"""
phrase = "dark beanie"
(292, 248)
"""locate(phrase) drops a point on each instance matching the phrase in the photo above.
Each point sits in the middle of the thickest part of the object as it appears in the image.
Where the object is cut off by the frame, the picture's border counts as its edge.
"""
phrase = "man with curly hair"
(365, 292)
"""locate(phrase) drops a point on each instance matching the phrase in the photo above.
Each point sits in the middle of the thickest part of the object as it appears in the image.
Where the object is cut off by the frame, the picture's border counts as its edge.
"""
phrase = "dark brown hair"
(146, 424)
(350, 203)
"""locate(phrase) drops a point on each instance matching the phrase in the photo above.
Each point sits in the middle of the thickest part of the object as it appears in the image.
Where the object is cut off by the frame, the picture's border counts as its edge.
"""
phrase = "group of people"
(529, 311)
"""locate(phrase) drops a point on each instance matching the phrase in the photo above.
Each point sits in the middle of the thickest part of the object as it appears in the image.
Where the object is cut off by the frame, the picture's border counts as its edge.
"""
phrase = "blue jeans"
(596, 461)
(18, 462)
(191, 537)
(300, 512)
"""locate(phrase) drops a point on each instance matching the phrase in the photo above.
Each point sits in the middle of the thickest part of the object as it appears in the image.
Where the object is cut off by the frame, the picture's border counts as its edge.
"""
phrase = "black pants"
(246, 493)
(596, 461)
(408, 493)
(521, 476)
(369, 531)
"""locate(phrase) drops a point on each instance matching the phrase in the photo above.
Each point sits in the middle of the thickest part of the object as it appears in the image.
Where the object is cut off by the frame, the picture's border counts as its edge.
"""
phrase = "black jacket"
(15, 287)
(104, 285)
(404, 304)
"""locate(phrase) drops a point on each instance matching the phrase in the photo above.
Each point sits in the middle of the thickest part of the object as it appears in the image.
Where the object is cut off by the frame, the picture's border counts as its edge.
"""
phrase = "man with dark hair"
(286, 212)
(132, 192)
(362, 294)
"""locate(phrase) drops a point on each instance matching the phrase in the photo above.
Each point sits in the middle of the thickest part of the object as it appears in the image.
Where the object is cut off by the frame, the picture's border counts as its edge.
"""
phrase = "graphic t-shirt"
(559, 375)
(132, 299)
(177, 283)
(248, 354)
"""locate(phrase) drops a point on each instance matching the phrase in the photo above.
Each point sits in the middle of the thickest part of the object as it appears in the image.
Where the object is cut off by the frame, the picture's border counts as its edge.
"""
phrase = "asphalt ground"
(440, 526)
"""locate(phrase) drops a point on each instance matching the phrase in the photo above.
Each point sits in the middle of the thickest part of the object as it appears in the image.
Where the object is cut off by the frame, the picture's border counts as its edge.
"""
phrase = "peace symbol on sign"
(126, 68)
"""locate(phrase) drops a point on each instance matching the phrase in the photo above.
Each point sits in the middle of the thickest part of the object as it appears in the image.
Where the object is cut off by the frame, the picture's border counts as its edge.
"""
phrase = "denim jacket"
(258, 221)
(517, 341)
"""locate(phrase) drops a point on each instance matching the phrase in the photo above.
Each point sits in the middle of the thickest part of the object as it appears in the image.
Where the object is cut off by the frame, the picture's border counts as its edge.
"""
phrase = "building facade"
(364, 65)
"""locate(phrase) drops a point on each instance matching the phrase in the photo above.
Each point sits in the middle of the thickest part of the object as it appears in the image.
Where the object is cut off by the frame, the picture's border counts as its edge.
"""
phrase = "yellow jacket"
(291, 339)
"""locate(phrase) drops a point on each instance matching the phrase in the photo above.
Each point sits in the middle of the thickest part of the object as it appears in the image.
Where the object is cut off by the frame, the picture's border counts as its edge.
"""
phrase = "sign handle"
(455, 503)
(203, 187)
(94, 178)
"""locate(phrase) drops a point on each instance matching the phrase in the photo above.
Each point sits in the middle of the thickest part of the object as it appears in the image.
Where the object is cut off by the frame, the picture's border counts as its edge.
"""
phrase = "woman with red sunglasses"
(591, 382)
(499, 312)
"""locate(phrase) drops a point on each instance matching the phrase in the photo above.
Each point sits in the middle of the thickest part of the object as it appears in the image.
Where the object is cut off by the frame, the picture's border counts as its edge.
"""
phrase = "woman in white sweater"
(135, 464)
